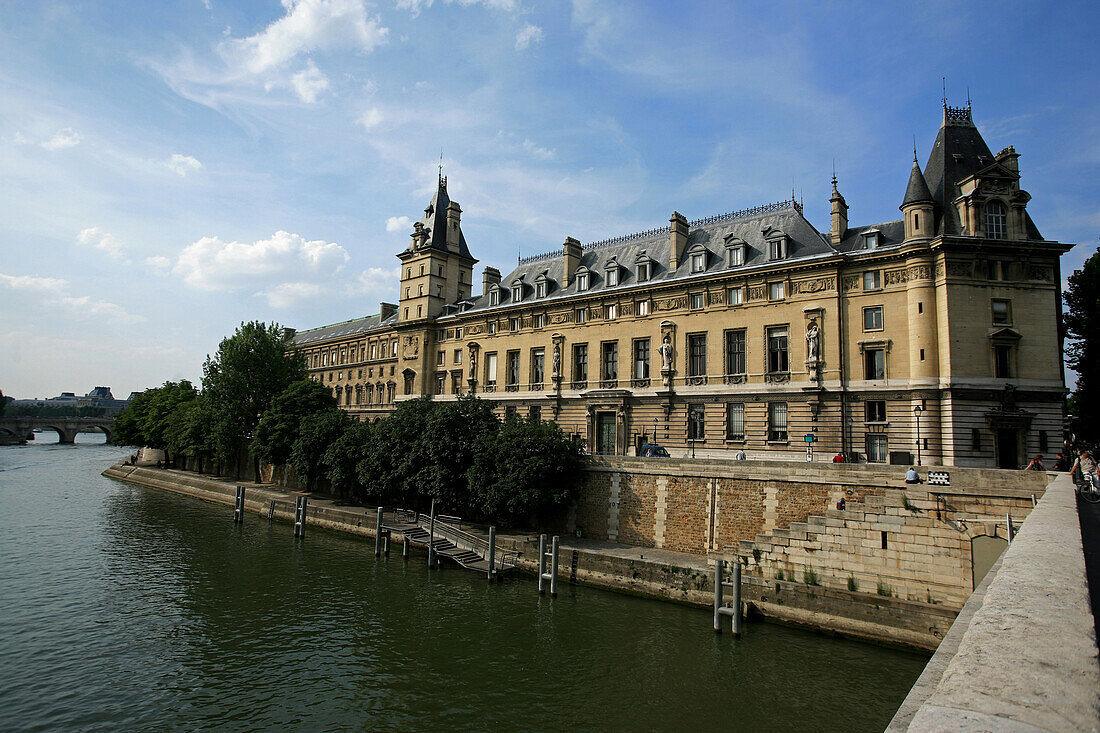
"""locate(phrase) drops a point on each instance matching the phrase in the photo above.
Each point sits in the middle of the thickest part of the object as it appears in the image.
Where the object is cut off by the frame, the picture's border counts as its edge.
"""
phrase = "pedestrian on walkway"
(1036, 464)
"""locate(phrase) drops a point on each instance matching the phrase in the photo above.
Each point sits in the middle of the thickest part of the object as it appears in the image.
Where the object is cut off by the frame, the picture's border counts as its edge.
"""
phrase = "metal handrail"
(473, 543)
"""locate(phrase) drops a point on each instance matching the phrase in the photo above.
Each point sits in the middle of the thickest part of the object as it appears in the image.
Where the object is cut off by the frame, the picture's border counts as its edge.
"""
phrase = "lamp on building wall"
(917, 410)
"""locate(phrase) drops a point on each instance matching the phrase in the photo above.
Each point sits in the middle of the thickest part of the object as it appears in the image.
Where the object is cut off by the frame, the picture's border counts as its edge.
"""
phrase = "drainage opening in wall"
(884, 539)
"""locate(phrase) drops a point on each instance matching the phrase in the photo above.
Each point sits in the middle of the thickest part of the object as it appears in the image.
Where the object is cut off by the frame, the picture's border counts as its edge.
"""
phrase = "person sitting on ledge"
(912, 477)
(838, 458)
(1036, 464)
(740, 455)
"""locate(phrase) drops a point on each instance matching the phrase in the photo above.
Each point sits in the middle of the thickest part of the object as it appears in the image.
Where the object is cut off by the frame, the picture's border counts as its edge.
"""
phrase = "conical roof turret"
(917, 191)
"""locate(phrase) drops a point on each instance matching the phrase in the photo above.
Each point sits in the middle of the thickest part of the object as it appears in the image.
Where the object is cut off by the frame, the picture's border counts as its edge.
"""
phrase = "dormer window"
(540, 289)
(996, 220)
(777, 249)
(644, 267)
(735, 251)
(611, 273)
(870, 240)
(698, 262)
(517, 290)
(494, 296)
(583, 280)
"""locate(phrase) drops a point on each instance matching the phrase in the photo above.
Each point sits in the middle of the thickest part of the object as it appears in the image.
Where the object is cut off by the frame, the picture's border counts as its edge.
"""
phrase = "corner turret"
(917, 206)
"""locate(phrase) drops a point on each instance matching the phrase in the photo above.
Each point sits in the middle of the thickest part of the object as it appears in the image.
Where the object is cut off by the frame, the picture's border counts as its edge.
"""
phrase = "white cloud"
(309, 83)
(371, 118)
(288, 295)
(375, 281)
(278, 268)
(538, 152)
(66, 137)
(307, 26)
(208, 4)
(158, 265)
(527, 35)
(181, 165)
(54, 292)
(415, 6)
(398, 224)
(101, 240)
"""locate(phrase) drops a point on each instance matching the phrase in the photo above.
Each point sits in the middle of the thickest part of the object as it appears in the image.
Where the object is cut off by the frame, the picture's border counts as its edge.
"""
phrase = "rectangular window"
(876, 448)
(440, 357)
(777, 421)
(698, 262)
(735, 421)
(777, 350)
(491, 368)
(697, 354)
(875, 410)
(582, 315)
(458, 356)
(494, 297)
(1044, 444)
(534, 413)
(1002, 312)
(736, 256)
(997, 269)
(510, 412)
(612, 277)
(440, 383)
(582, 281)
(697, 427)
(696, 300)
(735, 352)
(1002, 354)
(610, 360)
(612, 312)
(643, 272)
(393, 348)
(511, 376)
(580, 362)
(872, 280)
(540, 320)
(733, 296)
(870, 240)
(540, 290)
(642, 307)
(538, 365)
(456, 382)
(641, 359)
(874, 364)
(514, 324)
(872, 318)
(975, 439)
(775, 291)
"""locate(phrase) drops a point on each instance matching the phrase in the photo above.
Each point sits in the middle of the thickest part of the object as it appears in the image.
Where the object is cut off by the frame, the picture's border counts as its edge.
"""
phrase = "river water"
(126, 608)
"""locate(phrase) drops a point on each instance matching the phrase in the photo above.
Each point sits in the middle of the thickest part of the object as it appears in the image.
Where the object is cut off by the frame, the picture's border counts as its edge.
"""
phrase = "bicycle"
(1087, 487)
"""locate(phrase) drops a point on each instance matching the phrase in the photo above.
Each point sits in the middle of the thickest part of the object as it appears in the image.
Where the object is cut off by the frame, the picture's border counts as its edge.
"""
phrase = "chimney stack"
(454, 225)
(571, 254)
(385, 310)
(839, 226)
(490, 277)
(678, 225)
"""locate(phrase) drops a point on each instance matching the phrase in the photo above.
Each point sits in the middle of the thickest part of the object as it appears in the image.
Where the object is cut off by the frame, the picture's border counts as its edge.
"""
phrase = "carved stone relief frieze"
(1040, 273)
(716, 297)
(851, 282)
(920, 272)
(668, 304)
(816, 285)
(410, 347)
(561, 317)
(757, 292)
(896, 277)
(959, 269)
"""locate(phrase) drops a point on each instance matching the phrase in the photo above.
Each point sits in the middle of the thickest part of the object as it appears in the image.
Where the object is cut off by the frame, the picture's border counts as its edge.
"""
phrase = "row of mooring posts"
(548, 566)
(734, 609)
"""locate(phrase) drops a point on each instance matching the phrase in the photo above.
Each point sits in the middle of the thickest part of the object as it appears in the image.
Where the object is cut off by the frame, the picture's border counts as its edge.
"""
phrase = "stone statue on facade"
(557, 360)
(665, 350)
(812, 343)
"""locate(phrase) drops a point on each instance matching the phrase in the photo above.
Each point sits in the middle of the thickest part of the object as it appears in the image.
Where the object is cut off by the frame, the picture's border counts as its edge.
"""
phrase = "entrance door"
(605, 433)
(1008, 455)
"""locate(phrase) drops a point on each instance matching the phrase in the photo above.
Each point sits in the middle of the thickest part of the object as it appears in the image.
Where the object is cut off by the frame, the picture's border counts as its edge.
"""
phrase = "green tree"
(127, 427)
(1082, 323)
(278, 428)
(396, 453)
(144, 421)
(317, 432)
(3, 403)
(450, 442)
(342, 458)
(190, 430)
(524, 473)
(250, 369)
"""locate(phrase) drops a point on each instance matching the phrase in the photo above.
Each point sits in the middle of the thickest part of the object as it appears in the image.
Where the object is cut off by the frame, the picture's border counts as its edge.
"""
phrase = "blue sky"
(172, 168)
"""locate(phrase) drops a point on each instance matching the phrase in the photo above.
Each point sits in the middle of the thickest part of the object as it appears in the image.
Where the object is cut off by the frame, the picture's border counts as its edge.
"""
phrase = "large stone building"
(937, 333)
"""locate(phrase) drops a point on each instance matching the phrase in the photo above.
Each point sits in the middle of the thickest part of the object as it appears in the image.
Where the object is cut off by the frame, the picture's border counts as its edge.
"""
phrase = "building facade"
(934, 337)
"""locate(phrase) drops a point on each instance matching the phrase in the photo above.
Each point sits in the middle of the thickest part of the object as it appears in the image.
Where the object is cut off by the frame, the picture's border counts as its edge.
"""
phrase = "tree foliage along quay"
(1082, 324)
(255, 397)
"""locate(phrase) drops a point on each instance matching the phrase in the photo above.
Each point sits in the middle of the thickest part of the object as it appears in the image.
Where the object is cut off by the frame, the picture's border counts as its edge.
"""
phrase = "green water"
(130, 609)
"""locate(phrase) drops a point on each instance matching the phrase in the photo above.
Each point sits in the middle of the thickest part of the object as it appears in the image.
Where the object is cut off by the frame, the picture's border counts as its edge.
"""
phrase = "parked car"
(654, 451)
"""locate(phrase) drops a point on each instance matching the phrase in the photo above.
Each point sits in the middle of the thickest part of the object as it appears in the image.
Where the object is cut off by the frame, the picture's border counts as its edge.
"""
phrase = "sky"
(171, 169)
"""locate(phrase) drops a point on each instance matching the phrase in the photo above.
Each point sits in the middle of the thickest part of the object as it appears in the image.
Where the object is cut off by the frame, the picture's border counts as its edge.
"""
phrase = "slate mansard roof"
(345, 328)
(754, 227)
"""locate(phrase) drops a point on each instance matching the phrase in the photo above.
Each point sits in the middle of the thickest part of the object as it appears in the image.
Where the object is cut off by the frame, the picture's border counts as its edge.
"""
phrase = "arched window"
(995, 220)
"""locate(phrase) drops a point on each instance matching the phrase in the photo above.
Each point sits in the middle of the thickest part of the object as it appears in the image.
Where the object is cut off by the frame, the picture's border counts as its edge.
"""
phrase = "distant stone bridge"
(66, 427)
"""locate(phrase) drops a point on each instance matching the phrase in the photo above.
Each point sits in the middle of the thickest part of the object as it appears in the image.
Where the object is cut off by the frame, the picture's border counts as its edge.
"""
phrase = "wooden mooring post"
(300, 507)
(431, 536)
(271, 510)
(381, 536)
(734, 609)
(548, 559)
(238, 506)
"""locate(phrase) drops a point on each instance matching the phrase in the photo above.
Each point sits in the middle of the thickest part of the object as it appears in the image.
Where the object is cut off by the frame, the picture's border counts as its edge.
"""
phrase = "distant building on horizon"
(935, 336)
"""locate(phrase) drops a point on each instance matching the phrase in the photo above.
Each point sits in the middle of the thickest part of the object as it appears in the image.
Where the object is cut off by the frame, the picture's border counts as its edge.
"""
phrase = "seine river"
(131, 609)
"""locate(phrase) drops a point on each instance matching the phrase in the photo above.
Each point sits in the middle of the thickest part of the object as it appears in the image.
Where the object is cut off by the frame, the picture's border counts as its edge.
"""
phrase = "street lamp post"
(654, 441)
(917, 410)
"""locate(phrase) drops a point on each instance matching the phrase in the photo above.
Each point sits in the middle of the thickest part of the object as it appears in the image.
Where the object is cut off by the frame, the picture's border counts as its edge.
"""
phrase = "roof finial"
(968, 98)
(441, 164)
(943, 79)
(914, 147)
(834, 175)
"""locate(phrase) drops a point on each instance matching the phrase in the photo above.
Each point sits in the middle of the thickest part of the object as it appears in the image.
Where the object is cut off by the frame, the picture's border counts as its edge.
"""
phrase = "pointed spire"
(917, 191)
